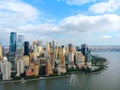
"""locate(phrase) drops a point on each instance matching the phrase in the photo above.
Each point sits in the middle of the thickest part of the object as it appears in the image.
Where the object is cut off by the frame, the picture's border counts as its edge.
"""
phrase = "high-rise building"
(71, 60)
(1, 52)
(61, 57)
(20, 67)
(70, 57)
(35, 50)
(39, 43)
(5, 69)
(26, 48)
(39, 50)
(53, 54)
(79, 58)
(48, 70)
(70, 46)
(86, 53)
(13, 38)
(84, 50)
(26, 60)
(20, 41)
(20, 46)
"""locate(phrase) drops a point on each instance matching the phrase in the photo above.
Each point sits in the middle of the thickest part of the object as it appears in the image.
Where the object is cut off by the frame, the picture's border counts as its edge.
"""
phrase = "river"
(108, 79)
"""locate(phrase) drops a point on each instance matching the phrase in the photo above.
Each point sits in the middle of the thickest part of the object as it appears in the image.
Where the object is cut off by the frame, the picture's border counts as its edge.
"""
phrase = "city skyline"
(95, 22)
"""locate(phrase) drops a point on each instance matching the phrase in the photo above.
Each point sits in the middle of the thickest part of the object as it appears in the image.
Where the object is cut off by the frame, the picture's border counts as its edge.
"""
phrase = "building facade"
(26, 48)
(20, 46)
(5, 69)
(20, 67)
(13, 37)
(1, 55)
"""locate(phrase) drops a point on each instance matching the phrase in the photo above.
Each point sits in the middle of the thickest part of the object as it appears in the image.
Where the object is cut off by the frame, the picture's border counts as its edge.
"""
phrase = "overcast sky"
(94, 22)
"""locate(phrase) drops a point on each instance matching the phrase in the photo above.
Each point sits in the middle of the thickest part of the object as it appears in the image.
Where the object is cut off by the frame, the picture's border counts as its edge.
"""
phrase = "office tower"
(1, 52)
(53, 54)
(53, 47)
(61, 57)
(78, 49)
(26, 48)
(13, 38)
(70, 46)
(70, 58)
(61, 67)
(57, 52)
(5, 69)
(88, 56)
(20, 67)
(31, 56)
(52, 60)
(79, 58)
(84, 50)
(26, 60)
(48, 70)
(39, 43)
(20, 46)
(45, 53)
(35, 50)
(48, 47)
(39, 48)
(64, 50)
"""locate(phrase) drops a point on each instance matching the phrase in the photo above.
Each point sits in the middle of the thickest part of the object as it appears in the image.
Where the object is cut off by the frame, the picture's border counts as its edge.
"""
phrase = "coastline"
(41, 78)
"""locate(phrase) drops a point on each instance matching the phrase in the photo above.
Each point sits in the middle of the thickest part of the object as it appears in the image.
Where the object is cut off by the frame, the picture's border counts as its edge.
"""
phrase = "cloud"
(107, 36)
(82, 23)
(16, 12)
(118, 35)
(103, 7)
(76, 2)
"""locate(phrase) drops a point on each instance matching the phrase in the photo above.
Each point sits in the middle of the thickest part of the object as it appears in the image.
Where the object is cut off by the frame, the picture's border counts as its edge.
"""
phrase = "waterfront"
(108, 79)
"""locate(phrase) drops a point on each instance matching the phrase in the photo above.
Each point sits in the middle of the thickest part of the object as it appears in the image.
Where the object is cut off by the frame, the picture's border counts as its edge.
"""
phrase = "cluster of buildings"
(36, 59)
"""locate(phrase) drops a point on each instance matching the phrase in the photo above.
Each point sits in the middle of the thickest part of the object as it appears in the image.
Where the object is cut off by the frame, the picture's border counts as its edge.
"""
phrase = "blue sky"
(94, 22)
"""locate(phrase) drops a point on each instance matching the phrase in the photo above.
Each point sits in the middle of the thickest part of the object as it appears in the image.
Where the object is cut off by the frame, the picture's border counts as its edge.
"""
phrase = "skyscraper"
(39, 48)
(53, 54)
(1, 51)
(86, 52)
(5, 69)
(70, 47)
(13, 37)
(20, 67)
(20, 46)
(70, 58)
(35, 50)
(26, 48)
(79, 58)
(20, 41)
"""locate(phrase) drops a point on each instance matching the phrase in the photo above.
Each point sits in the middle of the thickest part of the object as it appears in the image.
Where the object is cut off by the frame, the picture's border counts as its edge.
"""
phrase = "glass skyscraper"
(13, 37)
(20, 45)
(20, 41)
(26, 48)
